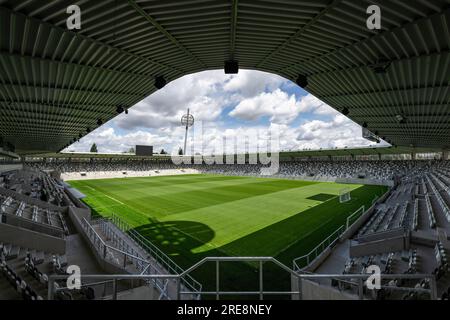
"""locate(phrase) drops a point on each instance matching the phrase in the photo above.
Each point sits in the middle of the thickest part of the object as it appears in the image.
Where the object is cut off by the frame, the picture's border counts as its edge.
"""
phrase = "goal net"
(344, 195)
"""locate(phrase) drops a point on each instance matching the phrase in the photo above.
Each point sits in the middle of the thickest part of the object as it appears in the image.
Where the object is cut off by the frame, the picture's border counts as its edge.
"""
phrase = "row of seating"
(30, 267)
(389, 263)
(381, 170)
(20, 285)
(374, 222)
(413, 262)
(442, 203)
(35, 184)
(9, 251)
(383, 219)
(431, 216)
(386, 262)
(33, 213)
(417, 294)
(25, 271)
(424, 187)
(392, 215)
(441, 258)
(402, 221)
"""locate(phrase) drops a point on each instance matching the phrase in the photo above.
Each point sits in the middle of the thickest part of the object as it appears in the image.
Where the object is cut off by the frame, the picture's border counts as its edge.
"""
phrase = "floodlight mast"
(188, 121)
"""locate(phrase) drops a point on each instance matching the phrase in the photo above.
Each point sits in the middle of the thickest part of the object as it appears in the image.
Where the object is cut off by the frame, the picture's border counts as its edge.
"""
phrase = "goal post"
(345, 195)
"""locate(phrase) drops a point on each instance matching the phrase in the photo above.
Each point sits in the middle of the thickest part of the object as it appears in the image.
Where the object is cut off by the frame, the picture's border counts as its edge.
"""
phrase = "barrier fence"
(357, 282)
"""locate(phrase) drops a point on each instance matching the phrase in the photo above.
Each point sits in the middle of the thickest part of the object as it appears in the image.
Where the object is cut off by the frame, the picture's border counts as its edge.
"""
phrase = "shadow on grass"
(176, 237)
(285, 240)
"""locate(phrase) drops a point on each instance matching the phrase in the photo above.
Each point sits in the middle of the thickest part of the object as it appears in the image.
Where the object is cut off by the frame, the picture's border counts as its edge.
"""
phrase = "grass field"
(193, 216)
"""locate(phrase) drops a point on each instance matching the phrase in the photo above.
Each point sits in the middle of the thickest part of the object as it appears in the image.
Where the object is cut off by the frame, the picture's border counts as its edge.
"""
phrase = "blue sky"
(227, 106)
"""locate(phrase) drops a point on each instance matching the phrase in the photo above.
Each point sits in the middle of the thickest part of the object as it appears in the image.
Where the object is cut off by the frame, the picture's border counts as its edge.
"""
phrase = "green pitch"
(193, 216)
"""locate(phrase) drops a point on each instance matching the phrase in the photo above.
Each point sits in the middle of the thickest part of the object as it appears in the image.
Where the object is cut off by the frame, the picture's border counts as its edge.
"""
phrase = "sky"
(254, 106)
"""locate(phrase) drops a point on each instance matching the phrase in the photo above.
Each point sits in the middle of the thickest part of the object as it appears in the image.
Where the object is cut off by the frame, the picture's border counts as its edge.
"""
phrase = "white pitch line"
(107, 196)
(115, 200)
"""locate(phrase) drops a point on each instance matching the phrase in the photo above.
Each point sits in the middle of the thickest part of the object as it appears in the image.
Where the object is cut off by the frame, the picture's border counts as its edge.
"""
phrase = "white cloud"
(249, 83)
(206, 94)
(166, 106)
(310, 103)
(281, 107)
(109, 141)
(252, 96)
(340, 132)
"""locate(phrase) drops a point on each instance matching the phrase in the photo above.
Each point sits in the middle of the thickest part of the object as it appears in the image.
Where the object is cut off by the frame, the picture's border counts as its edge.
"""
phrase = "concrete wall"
(31, 239)
(32, 226)
(381, 235)
(79, 213)
(424, 238)
(10, 167)
(314, 291)
(380, 246)
(319, 259)
(144, 292)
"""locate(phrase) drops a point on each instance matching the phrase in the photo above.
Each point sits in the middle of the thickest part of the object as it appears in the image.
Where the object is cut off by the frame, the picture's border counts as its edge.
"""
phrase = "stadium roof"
(55, 83)
(283, 154)
(356, 151)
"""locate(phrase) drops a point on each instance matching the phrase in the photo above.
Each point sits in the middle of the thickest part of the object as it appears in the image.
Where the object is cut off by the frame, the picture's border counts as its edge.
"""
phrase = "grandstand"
(124, 219)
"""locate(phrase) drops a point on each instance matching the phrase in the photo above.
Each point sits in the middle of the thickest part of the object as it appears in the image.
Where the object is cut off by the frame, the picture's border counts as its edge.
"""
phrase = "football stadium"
(368, 222)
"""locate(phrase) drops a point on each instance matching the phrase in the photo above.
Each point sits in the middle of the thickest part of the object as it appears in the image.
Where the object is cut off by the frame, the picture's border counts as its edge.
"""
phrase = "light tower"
(188, 121)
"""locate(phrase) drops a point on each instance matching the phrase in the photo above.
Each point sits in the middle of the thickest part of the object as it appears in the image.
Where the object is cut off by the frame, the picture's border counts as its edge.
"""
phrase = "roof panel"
(60, 82)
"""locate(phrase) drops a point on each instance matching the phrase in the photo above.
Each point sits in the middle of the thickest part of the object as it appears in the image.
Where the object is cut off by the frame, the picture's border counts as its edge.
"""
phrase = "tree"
(131, 150)
(180, 151)
(163, 151)
(94, 148)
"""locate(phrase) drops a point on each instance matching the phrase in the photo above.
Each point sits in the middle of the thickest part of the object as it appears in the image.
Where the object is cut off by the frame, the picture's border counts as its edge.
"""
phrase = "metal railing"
(258, 260)
(166, 262)
(375, 199)
(354, 284)
(180, 290)
(350, 217)
(303, 261)
(122, 258)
